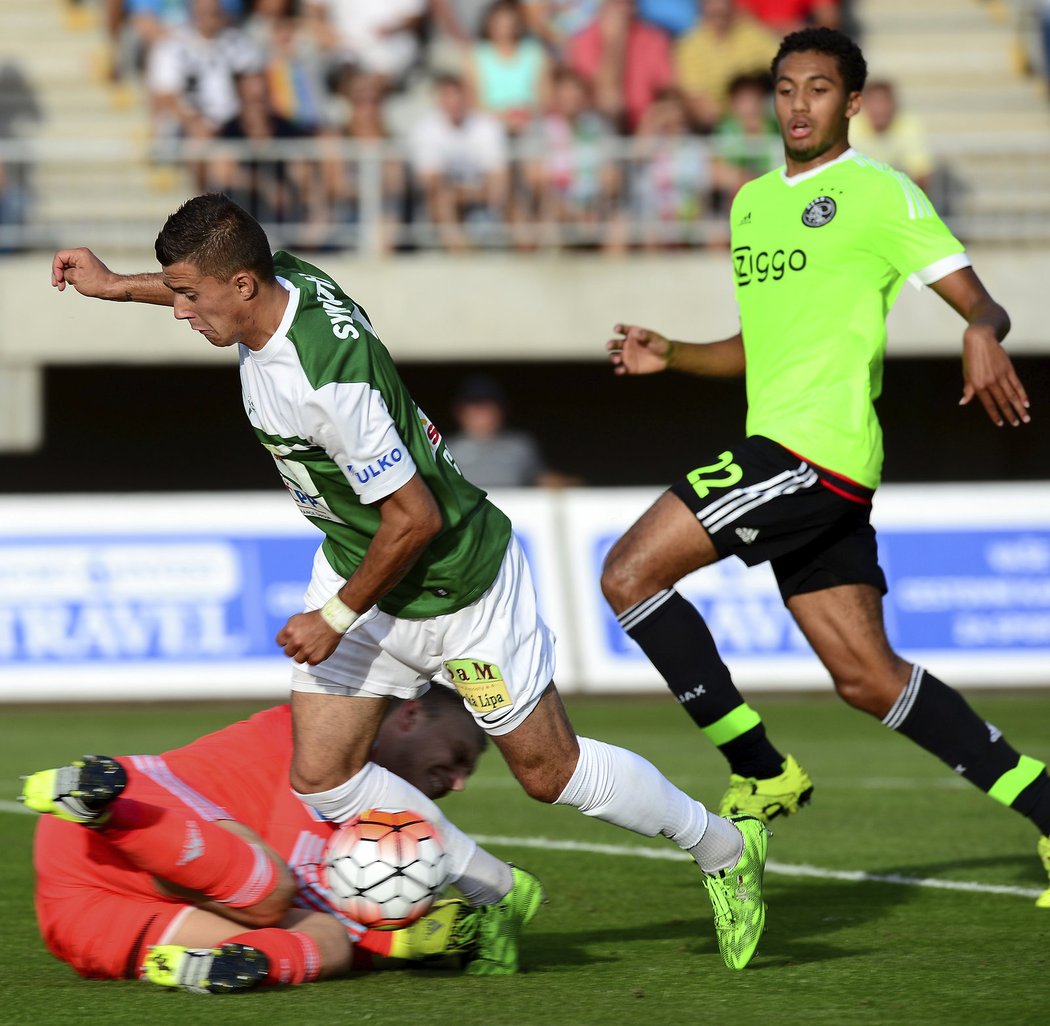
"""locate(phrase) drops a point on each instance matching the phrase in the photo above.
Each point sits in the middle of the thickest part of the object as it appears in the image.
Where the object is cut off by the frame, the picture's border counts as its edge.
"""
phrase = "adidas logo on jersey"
(746, 219)
(747, 534)
(193, 846)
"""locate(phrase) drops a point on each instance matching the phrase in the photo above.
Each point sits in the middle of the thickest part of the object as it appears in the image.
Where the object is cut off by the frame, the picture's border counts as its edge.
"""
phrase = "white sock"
(720, 847)
(485, 879)
(621, 787)
(375, 787)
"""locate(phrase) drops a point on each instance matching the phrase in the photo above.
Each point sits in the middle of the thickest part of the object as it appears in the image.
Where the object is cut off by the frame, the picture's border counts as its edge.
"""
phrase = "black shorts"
(762, 502)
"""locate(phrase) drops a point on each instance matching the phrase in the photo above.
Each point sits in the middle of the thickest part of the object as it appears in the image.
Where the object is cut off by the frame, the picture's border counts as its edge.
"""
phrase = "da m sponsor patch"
(480, 684)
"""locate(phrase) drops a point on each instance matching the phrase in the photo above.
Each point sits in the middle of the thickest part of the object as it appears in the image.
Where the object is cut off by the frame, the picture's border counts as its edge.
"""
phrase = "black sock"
(938, 718)
(678, 643)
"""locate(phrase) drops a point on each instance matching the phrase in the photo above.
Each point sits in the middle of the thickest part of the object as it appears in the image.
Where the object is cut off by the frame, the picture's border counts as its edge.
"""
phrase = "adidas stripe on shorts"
(762, 502)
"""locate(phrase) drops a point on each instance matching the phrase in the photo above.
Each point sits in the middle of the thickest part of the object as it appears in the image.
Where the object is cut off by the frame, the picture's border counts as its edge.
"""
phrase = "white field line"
(940, 783)
(779, 868)
(669, 854)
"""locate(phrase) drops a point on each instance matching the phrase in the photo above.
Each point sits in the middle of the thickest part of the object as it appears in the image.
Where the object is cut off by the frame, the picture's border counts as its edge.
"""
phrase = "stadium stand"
(963, 67)
(960, 66)
(81, 116)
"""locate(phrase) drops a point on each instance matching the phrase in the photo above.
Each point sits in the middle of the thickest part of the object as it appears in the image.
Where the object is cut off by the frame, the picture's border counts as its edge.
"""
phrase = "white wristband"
(338, 615)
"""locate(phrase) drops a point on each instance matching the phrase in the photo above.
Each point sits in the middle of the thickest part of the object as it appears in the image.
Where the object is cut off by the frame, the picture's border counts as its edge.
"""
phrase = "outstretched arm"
(90, 277)
(988, 372)
(409, 519)
(643, 351)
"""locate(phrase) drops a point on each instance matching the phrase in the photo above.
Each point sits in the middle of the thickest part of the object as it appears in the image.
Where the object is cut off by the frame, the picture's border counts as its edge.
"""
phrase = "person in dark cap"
(489, 453)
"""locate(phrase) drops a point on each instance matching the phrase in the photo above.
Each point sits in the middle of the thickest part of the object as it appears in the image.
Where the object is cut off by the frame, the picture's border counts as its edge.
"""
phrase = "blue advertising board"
(117, 596)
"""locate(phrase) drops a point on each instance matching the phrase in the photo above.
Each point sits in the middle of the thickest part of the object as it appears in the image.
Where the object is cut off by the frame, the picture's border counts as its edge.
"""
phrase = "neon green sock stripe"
(1011, 784)
(732, 725)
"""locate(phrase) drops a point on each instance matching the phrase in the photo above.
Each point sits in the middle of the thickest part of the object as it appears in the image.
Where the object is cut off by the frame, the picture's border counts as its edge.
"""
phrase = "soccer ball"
(385, 868)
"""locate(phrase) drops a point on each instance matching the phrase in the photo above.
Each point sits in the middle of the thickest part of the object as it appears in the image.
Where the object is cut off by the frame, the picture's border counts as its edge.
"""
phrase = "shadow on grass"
(801, 927)
(1014, 870)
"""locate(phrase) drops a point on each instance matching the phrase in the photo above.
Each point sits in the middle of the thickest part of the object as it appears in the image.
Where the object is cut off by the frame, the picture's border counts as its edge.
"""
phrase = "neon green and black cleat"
(80, 792)
(449, 929)
(501, 924)
(768, 797)
(1043, 901)
(736, 896)
(222, 970)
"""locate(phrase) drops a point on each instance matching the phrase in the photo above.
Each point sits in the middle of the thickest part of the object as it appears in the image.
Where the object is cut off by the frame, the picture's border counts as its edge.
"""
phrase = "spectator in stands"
(144, 23)
(626, 60)
(273, 188)
(881, 130)
(1043, 17)
(455, 25)
(748, 140)
(706, 59)
(490, 454)
(557, 23)
(508, 71)
(673, 16)
(14, 206)
(458, 20)
(346, 181)
(19, 105)
(295, 61)
(192, 70)
(784, 16)
(674, 177)
(460, 163)
(573, 176)
(382, 37)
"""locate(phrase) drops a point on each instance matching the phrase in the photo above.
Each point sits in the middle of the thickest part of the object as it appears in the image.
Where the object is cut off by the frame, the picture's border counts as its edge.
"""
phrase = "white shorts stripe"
(742, 500)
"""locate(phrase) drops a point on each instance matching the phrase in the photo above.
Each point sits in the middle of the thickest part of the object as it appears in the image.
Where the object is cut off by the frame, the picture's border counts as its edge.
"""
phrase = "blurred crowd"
(598, 123)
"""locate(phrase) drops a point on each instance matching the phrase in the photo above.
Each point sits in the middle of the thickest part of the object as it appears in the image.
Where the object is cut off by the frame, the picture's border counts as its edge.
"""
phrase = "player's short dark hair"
(852, 66)
(758, 81)
(218, 237)
(441, 700)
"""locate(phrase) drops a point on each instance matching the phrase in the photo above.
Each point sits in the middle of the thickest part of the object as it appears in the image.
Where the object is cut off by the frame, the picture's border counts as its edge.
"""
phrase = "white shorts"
(497, 652)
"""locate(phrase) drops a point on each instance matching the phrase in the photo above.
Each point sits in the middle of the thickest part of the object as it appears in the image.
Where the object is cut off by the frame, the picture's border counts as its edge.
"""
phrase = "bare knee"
(872, 690)
(315, 771)
(542, 752)
(545, 783)
(622, 582)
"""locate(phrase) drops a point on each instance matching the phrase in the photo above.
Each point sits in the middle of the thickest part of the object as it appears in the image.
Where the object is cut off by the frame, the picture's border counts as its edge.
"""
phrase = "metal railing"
(364, 197)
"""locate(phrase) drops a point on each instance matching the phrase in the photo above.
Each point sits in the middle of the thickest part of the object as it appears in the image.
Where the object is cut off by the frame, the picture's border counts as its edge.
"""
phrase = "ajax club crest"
(818, 212)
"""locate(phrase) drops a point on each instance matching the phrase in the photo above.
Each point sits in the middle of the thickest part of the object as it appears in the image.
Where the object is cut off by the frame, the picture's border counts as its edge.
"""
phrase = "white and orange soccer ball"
(385, 868)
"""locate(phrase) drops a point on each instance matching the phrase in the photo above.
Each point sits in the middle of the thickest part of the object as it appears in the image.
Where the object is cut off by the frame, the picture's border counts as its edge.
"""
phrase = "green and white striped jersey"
(326, 400)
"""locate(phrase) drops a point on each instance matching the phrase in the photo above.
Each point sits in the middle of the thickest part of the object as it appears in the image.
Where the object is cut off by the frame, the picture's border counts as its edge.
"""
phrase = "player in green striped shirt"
(419, 577)
(820, 249)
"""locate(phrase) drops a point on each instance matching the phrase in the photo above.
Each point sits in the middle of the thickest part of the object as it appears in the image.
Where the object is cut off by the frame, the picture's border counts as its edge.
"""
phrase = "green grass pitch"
(625, 938)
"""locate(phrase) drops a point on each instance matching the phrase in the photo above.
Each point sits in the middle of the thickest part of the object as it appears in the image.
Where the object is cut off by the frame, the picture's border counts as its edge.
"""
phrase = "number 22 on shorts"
(703, 479)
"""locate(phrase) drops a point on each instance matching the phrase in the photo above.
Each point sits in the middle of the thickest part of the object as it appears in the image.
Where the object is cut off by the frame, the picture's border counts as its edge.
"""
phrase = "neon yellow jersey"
(819, 259)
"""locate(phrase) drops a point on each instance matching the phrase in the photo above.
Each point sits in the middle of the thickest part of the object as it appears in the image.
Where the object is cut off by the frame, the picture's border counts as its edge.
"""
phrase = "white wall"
(462, 308)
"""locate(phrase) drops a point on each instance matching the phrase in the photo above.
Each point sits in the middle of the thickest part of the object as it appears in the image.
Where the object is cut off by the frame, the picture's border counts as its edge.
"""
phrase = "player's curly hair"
(852, 66)
(216, 236)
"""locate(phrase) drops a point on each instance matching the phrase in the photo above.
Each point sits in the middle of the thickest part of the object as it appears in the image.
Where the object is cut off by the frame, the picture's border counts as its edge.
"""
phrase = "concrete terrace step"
(921, 63)
(1006, 96)
(119, 206)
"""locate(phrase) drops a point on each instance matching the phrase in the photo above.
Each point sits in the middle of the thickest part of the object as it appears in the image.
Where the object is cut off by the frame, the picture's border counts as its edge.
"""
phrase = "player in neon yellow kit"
(820, 249)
